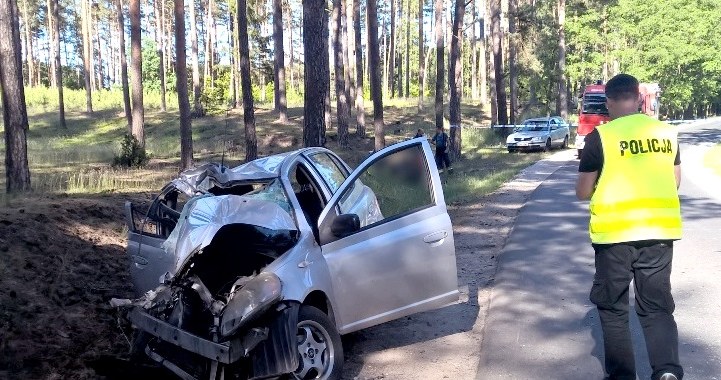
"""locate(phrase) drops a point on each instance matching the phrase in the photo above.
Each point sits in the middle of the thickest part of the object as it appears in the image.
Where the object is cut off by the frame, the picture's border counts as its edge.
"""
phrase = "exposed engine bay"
(207, 309)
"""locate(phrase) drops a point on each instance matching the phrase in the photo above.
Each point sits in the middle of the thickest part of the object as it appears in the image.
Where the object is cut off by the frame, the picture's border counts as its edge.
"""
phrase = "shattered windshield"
(272, 192)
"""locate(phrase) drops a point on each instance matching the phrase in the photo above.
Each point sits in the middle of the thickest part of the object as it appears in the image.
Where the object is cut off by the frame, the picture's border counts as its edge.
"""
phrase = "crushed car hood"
(204, 215)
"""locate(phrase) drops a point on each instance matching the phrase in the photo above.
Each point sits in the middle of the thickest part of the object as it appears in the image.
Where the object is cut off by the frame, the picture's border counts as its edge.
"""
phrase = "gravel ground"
(445, 343)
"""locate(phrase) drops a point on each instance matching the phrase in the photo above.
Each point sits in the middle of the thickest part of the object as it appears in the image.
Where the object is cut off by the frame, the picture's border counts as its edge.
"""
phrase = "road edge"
(526, 182)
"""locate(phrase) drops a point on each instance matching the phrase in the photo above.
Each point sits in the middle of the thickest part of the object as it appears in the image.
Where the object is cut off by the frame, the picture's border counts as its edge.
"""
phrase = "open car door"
(387, 239)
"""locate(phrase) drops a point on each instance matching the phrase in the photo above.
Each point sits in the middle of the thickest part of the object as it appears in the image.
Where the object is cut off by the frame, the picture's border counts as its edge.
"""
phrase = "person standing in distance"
(440, 140)
(630, 170)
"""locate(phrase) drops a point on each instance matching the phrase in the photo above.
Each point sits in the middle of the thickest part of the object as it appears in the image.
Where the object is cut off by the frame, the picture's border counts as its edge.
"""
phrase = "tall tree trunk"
(421, 51)
(291, 63)
(124, 65)
(101, 81)
(210, 40)
(491, 66)
(30, 57)
(359, 106)
(51, 45)
(58, 68)
(160, 49)
(392, 52)
(136, 63)
(236, 54)
(439, 62)
(233, 60)
(87, 51)
(344, 53)
(328, 121)
(399, 55)
(512, 64)
(349, 38)
(474, 52)
(386, 60)
(15, 116)
(281, 104)
(455, 81)
(316, 69)
(427, 62)
(497, 36)
(251, 142)
(181, 84)
(168, 46)
(197, 105)
(408, 48)
(340, 85)
(483, 58)
(562, 106)
(374, 62)
(113, 56)
(400, 75)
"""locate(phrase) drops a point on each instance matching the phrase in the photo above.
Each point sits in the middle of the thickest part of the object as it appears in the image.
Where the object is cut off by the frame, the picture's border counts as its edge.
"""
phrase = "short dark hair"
(622, 87)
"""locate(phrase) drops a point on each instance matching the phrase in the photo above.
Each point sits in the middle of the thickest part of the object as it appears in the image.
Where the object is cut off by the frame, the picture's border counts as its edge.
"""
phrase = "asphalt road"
(541, 324)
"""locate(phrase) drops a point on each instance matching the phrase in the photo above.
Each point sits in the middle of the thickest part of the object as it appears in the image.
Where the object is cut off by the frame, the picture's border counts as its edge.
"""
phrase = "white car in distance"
(539, 134)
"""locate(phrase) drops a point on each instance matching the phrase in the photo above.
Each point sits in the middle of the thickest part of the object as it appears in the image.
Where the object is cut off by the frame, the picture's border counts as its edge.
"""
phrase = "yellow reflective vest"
(636, 196)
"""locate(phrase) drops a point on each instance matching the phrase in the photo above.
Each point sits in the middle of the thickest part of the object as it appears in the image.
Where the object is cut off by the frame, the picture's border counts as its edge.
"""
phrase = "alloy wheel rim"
(315, 351)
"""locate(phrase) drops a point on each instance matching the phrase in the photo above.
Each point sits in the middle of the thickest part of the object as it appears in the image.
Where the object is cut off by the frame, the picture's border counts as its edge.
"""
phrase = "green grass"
(712, 159)
(486, 165)
(78, 159)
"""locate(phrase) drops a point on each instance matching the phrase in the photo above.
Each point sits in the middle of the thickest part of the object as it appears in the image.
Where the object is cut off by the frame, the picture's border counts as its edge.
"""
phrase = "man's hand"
(677, 172)
(585, 185)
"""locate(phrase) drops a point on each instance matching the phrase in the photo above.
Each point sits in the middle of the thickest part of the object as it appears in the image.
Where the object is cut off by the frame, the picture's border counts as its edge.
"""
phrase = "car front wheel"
(548, 145)
(565, 142)
(319, 346)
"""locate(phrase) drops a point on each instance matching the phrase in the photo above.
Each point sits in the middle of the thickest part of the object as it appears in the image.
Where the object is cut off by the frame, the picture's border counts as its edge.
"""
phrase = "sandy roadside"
(445, 343)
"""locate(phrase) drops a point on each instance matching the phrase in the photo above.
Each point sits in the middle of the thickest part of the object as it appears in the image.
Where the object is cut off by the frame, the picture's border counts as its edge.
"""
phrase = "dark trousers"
(648, 263)
(442, 158)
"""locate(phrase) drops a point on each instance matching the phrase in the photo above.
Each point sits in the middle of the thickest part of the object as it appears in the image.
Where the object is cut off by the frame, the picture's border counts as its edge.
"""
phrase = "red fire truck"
(593, 111)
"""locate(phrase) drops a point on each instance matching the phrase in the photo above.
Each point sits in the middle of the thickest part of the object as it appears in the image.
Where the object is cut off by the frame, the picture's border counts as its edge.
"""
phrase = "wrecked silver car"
(255, 271)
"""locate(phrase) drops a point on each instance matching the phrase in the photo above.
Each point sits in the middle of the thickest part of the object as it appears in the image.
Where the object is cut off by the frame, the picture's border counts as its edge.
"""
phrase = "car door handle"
(436, 237)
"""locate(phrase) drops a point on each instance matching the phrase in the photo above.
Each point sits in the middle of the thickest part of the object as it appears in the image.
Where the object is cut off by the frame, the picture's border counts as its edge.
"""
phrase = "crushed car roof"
(203, 177)
(261, 168)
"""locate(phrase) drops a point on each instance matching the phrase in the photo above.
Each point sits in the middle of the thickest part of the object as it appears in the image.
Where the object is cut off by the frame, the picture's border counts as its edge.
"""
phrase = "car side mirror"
(344, 225)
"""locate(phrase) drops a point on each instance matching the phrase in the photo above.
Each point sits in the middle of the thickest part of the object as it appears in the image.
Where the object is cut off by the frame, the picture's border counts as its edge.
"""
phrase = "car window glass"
(594, 104)
(272, 192)
(329, 170)
(394, 185)
(533, 128)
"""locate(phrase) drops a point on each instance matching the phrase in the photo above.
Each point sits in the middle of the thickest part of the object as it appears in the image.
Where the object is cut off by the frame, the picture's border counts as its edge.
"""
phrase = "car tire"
(320, 350)
(511, 150)
(548, 145)
(579, 153)
(565, 142)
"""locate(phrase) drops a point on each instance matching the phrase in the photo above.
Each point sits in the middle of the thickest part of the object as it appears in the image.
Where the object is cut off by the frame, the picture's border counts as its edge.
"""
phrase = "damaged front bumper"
(269, 347)
(226, 353)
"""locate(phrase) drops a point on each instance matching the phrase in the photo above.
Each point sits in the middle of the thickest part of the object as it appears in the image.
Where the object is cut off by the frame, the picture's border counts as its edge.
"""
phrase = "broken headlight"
(255, 297)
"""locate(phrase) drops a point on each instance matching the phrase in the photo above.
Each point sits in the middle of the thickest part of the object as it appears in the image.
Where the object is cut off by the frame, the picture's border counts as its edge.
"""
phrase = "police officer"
(630, 170)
